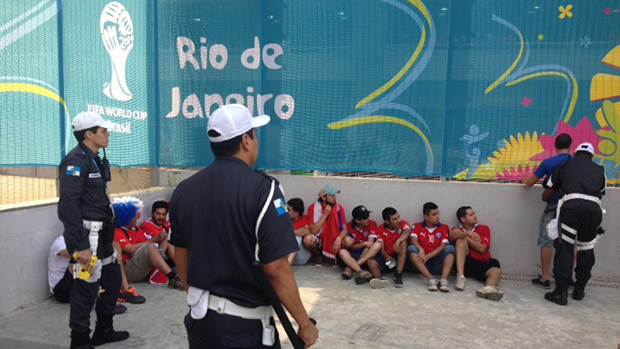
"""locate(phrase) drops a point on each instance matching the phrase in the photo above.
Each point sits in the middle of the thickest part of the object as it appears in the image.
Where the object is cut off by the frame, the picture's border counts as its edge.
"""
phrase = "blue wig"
(126, 209)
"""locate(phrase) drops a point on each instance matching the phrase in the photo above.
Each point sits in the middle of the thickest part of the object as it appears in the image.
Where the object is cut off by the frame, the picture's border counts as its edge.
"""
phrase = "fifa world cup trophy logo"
(117, 35)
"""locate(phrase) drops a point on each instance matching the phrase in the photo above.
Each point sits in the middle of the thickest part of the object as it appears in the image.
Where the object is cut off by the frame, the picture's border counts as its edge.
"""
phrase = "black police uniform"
(83, 197)
(579, 219)
(214, 214)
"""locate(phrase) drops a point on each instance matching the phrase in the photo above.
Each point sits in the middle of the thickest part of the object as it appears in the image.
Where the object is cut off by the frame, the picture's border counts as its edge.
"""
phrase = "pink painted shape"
(526, 102)
(583, 132)
(516, 175)
(607, 11)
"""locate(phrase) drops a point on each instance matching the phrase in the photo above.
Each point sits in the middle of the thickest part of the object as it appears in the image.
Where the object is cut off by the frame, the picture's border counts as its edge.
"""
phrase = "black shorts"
(381, 260)
(478, 269)
(62, 290)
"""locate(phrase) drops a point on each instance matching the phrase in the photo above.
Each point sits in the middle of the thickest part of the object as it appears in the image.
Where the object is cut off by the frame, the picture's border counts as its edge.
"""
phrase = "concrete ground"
(352, 316)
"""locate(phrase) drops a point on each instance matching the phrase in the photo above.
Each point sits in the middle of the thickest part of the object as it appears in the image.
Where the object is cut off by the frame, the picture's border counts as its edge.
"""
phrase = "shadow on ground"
(356, 316)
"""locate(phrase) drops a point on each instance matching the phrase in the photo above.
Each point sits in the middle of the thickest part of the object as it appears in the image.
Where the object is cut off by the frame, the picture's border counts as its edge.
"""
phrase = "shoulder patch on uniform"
(73, 171)
(280, 206)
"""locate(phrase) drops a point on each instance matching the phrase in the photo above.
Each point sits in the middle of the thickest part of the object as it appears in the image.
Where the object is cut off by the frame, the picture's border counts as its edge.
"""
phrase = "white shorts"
(303, 255)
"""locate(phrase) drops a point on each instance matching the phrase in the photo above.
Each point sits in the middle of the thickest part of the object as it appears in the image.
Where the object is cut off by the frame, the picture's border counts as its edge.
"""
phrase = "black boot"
(557, 297)
(104, 332)
(80, 340)
(578, 293)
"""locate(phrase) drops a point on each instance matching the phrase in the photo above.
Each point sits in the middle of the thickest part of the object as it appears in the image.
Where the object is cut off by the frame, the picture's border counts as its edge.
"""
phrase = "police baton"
(259, 274)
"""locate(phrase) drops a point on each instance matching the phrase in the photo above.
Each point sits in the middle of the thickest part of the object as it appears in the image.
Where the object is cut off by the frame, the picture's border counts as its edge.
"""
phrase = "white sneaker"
(443, 285)
(379, 283)
(460, 283)
(490, 292)
(432, 284)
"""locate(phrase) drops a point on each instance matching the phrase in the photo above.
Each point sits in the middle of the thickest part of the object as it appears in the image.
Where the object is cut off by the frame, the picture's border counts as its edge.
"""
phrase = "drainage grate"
(527, 279)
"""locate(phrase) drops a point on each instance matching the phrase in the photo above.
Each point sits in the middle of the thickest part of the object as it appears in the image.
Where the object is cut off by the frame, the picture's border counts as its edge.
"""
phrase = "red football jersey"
(389, 237)
(130, 237)
(485, 239)
(152, 229)
(369, 232)
(430, 240)
(302, 222)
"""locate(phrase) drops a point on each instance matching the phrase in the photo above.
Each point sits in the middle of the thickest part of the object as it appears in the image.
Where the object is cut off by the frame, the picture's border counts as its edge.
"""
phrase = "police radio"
(102, 164)
(105, 168)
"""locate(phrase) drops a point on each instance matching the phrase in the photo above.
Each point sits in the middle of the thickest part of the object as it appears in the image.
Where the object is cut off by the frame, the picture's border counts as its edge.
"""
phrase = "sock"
(171, 275)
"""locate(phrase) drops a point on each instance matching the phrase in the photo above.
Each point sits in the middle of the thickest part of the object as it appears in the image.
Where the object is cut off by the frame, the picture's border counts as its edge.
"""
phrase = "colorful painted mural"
(473, 90)
(521, 156)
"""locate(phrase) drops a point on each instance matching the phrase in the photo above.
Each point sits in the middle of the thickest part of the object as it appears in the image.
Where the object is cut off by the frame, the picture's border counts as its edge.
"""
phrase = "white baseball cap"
(233, 120)
(88, 119)
(587, 147)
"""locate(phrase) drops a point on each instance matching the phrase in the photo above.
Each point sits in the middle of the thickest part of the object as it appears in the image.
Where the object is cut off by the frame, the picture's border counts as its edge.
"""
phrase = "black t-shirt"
(214, 214)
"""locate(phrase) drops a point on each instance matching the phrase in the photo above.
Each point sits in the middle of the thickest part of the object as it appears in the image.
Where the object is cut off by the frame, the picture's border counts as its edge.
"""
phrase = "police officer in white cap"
(84, 209)
(223, 219)
(579, 221)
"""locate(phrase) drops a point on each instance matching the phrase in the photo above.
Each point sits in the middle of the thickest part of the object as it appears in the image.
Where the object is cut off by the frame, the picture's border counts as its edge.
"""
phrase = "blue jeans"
(547, 216)
(435, 264)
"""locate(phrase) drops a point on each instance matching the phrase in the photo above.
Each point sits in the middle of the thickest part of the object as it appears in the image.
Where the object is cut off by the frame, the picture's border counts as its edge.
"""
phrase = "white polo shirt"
(56, 264)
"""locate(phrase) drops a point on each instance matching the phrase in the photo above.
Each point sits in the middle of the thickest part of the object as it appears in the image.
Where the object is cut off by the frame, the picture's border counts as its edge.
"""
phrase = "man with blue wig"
(140, 254)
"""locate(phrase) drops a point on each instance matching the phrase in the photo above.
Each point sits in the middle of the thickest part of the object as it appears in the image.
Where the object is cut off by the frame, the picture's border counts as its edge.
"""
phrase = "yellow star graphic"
(565, 11)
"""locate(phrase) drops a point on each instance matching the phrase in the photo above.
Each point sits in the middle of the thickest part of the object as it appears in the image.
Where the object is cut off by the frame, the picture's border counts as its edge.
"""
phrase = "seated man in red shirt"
(301, 224)
(154, 226)
(430, 249)
(139, 253)
(473, 258)
(359, 245)
(328, 224)
(158, 224)
(392, 235)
